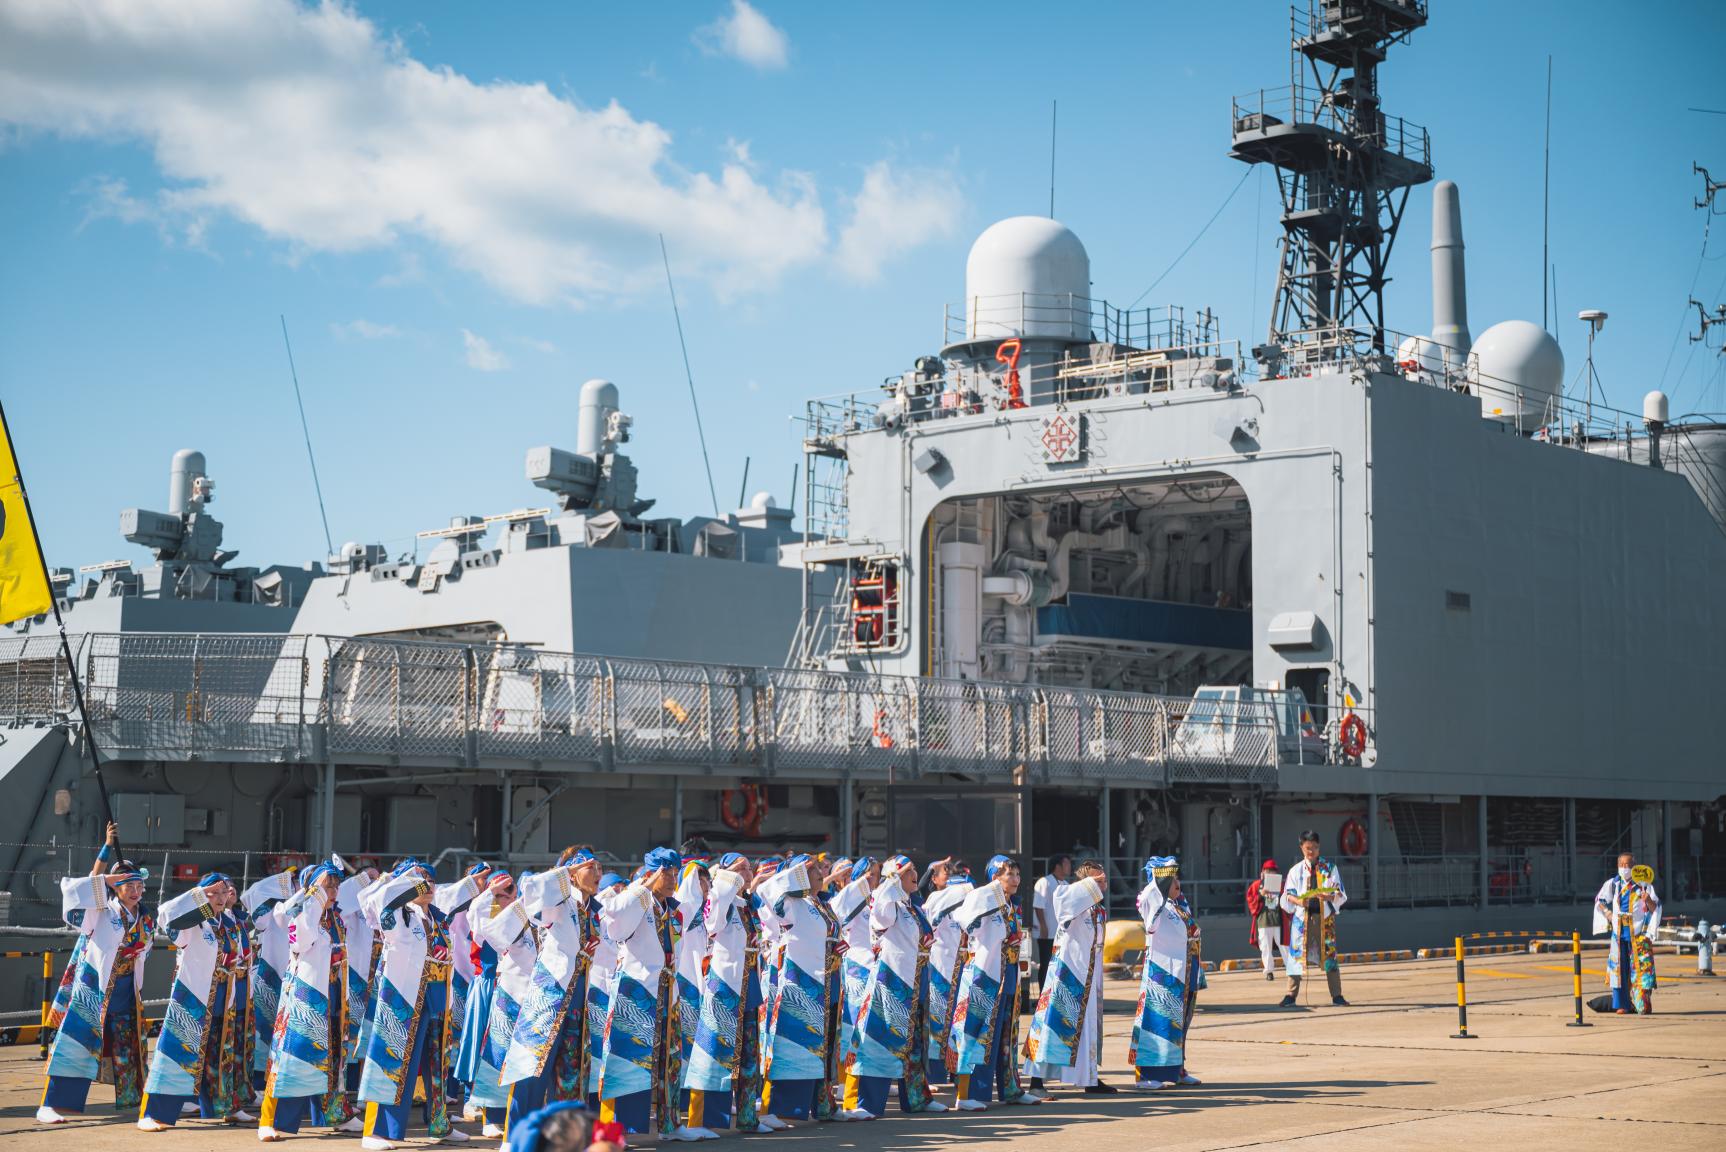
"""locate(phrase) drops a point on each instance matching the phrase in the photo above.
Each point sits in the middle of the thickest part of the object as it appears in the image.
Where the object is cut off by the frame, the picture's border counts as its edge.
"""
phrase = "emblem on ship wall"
(1064, 438)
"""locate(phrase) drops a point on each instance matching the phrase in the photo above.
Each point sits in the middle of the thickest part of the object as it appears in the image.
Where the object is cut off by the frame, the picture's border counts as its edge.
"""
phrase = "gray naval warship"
(1082, 578)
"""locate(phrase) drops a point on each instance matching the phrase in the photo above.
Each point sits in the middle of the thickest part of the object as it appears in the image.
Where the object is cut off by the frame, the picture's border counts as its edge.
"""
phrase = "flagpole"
(60, 623)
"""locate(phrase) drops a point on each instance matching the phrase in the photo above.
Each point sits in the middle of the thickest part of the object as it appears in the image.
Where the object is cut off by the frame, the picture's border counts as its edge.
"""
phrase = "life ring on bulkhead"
(748, 821)
(1353, 839)
(1353, 734)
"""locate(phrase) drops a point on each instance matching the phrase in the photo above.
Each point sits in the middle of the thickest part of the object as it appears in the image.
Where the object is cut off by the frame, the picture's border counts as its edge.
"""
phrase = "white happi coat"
(178, 1062)
(509, 932)
(887, 1017)
(1643, 918)
(101, 923)
(721, 1021)
(632, 1024)
(270, 958)
(977, 1009)
(945, 957)
(1300, 879)
(692, 946)
(357, 902)
(554, 903)
(397, 984)
(850, 906)
(1165, 979)
(300, 1041)
(795, 1040)
(601, 978)
(1066, 1032)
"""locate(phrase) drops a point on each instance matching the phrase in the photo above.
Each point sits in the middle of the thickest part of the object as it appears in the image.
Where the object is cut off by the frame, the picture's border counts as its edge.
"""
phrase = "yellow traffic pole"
(1461, 998)
(47, 1001)
(1576, 968)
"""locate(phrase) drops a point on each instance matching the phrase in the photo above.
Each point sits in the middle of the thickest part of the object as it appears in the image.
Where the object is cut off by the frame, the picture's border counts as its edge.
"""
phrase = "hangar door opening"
(1144, 587)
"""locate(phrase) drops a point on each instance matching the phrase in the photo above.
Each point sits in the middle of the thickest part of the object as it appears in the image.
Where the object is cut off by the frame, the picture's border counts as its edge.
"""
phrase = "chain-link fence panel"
(33, 680)
(835, 721)
(540, 705)
(395, 699)
(1222, 741)
(971, 728)
(1129, 741)
(681, 713)
(163, 693)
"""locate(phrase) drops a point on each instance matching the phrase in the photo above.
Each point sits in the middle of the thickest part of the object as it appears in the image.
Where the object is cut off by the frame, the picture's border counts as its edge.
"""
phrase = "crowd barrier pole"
(1462, 1032)
(1576, 977)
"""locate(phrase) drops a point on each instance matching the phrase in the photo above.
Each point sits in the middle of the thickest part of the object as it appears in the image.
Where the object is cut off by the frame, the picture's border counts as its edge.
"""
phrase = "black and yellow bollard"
(1576, 977)
(1462, 1032)
(47, 1002)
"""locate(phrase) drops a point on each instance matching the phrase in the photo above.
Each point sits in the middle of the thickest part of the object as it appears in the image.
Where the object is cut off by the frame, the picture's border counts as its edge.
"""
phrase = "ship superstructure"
(1081, 577)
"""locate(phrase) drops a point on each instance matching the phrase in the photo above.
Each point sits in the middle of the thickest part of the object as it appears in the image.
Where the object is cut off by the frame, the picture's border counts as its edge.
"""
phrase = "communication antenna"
(1709, 187)
(743, 488)
(1546, 200)
(305, 430)
(712, 493)
(1344, 169)
(1053, 110)
(1707, 322)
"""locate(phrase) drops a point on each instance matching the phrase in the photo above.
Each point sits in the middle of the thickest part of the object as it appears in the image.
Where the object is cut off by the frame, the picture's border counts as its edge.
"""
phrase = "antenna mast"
(712, 493)
(305, 430)
(1344, 169)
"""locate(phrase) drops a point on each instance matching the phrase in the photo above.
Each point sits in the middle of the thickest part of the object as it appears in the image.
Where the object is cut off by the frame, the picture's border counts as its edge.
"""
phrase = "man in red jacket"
(1266, 918)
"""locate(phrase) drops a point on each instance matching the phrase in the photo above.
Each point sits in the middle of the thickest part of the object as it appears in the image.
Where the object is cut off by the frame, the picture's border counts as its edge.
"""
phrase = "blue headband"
(137, 875)
(661, 858)
(997, 865)
(311, 875)
(609, 879)
(407, 866)
(478, 867)
(524, 1133)
(581, 856)
(729, 859)
(861, 865)
(213, 878)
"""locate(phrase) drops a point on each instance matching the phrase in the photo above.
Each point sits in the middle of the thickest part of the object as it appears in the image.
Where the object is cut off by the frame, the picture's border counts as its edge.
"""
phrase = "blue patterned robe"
(984, 918)
(1166, 983)
(81, 1003)
(1066, 1031)
(177, 1067)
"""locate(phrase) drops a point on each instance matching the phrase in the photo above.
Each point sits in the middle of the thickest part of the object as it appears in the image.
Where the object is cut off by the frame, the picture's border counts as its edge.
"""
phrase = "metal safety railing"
(369, 700)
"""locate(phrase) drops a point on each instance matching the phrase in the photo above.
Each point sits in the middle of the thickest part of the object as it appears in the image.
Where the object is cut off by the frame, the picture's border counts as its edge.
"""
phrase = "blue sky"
(456, 208)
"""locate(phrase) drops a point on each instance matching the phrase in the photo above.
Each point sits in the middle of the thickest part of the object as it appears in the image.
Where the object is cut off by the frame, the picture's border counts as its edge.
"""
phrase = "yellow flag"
(23, 579)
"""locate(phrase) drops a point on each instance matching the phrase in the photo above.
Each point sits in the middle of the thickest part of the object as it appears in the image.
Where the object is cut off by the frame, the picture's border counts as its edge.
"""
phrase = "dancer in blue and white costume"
(186, 1063)
(1169, 980)
(946, 962)
(506, 945)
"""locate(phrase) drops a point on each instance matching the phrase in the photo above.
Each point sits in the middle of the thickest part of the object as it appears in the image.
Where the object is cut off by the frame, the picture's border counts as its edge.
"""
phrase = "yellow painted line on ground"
(1602, 972)
(1500, 972)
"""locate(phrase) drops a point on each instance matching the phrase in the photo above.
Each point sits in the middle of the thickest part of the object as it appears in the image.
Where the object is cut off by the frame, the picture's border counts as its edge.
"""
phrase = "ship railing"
(1303, 104)
(1064, 316)
(369, 700)
(1564, 418)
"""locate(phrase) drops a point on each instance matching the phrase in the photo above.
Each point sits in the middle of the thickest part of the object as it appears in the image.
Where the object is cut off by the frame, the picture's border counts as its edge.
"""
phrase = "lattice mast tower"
(1344, 169)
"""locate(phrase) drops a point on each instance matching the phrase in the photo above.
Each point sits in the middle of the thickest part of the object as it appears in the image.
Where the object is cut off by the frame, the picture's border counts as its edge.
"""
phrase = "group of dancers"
(697, 994)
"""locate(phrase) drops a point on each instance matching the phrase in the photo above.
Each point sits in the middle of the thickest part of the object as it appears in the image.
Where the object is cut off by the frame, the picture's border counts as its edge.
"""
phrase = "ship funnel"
(1449, 285)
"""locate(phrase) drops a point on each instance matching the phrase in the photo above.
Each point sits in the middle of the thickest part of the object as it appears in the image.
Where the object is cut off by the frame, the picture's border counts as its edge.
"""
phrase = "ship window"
(1457, 601)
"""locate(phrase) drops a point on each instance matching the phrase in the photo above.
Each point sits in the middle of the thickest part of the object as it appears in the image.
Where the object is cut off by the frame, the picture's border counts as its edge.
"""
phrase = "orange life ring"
(748, 821)
(1353, 839)
(1353, 734)
(883, 737)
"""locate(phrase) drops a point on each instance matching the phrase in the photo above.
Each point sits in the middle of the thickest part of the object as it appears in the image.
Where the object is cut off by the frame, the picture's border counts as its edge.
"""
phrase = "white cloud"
(746, 35)
(362, 329)
(545, 347)
(481, 356)
(312, 126)
(893, 213)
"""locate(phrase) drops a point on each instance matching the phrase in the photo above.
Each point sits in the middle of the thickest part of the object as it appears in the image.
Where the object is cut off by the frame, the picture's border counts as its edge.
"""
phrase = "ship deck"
(1384, 1073)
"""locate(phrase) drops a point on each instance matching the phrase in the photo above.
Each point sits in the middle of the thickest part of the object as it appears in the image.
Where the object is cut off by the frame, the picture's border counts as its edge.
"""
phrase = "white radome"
(1521, 371)
(1027, 276)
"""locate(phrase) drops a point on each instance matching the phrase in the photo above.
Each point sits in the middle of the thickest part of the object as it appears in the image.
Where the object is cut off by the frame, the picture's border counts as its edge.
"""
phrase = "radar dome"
(1028, 276)
(1521, 373)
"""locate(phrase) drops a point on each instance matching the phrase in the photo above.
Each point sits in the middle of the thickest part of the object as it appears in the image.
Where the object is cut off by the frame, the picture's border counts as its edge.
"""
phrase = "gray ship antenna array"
(1344, 169)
